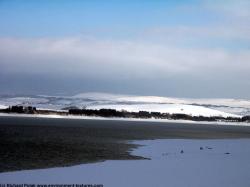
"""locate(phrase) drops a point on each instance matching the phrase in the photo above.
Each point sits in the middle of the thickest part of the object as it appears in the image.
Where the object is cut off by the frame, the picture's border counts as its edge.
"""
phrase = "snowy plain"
(206, 163)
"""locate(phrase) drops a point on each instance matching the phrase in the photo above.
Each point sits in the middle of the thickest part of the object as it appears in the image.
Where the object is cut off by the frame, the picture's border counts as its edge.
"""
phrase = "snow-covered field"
(167, 108)
(3, 107)
(206, 163)
(205, 107)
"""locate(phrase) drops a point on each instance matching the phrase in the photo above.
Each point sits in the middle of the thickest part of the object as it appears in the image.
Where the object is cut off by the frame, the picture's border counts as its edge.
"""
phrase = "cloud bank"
(78, 55)
(112, 60)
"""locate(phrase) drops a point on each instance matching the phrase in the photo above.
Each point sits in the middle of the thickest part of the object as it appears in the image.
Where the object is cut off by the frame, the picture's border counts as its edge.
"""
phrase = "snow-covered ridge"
(204, 107)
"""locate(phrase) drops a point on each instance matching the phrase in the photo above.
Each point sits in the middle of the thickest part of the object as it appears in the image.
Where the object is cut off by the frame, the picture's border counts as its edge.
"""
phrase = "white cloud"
(226, 32)
(107, 58)
(222, 22)
(232, 8)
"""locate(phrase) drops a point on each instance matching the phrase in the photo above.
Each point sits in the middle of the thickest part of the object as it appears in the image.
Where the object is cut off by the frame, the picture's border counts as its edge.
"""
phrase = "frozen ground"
(206, 163)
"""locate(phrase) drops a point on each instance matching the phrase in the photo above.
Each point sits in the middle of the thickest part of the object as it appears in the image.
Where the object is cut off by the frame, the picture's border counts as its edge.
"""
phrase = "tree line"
(122, 114)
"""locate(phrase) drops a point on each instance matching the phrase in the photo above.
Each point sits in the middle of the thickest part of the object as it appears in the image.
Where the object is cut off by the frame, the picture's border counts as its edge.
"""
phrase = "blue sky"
(63, 18)
(133, 47)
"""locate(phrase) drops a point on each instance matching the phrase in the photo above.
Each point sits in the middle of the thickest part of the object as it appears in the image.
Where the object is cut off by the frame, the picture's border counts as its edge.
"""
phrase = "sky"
(184, 48)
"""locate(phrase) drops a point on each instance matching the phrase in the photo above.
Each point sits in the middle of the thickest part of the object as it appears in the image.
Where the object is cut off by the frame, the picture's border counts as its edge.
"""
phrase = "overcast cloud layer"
(204, 60)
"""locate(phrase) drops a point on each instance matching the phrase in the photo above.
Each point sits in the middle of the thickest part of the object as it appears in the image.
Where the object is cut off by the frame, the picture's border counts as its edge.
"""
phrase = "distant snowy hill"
(204, 107)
